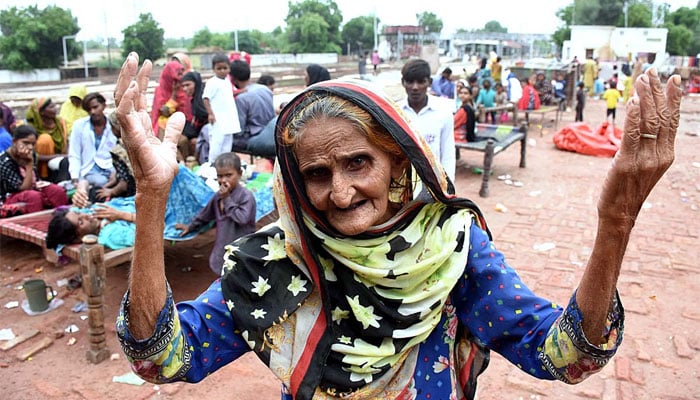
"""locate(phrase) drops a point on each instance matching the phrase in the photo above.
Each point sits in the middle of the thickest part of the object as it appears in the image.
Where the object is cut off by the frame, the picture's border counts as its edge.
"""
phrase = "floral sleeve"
(191, 339)
(539, 336)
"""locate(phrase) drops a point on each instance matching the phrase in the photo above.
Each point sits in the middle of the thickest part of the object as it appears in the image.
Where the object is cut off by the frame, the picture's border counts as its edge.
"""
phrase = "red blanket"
(580, 138)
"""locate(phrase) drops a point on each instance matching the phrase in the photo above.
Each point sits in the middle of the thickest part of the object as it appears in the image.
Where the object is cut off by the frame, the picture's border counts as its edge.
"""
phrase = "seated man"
(90, 162)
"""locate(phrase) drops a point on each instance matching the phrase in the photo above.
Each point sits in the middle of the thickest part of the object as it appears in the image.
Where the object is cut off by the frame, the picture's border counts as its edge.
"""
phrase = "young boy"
(580, 101)
(232, 207)
(611, 96)
(221, 107)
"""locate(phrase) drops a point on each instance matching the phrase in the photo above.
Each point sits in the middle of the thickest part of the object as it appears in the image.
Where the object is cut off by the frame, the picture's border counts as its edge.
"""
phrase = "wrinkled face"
(227, 176)
(96, 110)
(346, 177)
(416, 89)
(84, 223)
(221, 69)
(188, 87)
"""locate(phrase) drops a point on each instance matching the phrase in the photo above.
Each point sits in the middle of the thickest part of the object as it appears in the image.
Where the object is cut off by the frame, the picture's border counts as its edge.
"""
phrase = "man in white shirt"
(428, 115)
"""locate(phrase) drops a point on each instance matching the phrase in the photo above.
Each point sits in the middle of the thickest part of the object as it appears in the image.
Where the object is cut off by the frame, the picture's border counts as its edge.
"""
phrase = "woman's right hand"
(154, 163)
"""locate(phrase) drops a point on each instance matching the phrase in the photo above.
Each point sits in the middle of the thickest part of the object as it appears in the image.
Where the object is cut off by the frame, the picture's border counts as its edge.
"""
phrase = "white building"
(609, 43)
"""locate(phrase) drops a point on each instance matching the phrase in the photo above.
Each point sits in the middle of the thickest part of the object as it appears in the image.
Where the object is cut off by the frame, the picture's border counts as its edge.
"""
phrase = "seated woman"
(121, 183)
(19, 179)
(52, 139)
(113, 221)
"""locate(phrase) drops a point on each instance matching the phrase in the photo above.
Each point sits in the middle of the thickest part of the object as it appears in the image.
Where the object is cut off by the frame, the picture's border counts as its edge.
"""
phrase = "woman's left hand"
(153, 161)
(647, 148)
(102, 211)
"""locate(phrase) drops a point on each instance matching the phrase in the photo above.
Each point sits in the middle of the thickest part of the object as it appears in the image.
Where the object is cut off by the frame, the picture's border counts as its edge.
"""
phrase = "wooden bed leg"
(488, 161)
(94, 277)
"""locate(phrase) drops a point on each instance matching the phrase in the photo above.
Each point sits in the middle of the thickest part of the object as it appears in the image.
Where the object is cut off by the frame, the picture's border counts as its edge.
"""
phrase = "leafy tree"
(563, 33)
(430, 22)
(679, 40)
(359, 33)
(201, 38)
(144, 37)
(638, 15)
(494, 26)
(690, 19)
(313, 26)
(32, 38)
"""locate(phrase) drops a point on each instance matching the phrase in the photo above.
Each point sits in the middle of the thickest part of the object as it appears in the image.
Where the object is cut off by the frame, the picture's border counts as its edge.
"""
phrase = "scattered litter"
(508, 182)
(503, 177)
(535, 193)
(62, 282)
(186, 269)
(114, 357)
(197, 255)
(7, 334)
(500, 208)
(689, 133)
(71, 341)
(75, 282)
(646, 205)
(156, 388)
(39, 270)
(53, 304)
(532, 142)
(544, 246)
(83, 317)
(79, 307)
(12, 304)
(72, 328)
(129, 378)
(696, 164)
(518, 184)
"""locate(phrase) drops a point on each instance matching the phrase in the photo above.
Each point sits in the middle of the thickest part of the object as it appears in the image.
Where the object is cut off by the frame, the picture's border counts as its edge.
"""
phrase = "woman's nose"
(341, 191)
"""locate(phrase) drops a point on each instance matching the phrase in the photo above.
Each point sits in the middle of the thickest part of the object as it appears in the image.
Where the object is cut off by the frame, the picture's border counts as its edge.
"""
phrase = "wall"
(37, 75)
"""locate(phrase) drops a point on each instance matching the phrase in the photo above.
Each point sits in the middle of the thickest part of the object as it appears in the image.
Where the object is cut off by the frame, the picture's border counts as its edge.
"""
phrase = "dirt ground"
(555, 208)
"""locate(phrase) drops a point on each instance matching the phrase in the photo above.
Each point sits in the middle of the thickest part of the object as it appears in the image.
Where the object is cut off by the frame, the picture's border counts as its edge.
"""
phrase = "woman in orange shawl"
(52, 140)
(169, 97)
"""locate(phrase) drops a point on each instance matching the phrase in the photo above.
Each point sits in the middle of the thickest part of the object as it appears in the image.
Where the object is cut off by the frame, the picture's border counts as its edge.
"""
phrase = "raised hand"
(153, 161)
(647, 148)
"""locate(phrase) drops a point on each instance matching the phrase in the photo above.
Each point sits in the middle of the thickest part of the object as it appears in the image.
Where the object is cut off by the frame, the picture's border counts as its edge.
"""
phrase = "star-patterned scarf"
(334, 315)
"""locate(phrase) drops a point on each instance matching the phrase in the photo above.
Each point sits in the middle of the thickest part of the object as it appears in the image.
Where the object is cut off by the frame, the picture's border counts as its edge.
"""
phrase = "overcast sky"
(107, 19)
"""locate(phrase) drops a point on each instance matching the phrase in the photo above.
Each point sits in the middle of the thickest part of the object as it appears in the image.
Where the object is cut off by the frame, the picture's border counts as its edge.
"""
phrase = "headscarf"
(58, 133)
(69, 112)
(184, 59)
(340, 313)
(164, 91)
(317, 73)
(199, 111)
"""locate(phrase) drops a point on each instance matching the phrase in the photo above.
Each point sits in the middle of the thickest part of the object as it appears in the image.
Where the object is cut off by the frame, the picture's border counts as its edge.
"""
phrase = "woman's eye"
(358, 162)
(315, 173)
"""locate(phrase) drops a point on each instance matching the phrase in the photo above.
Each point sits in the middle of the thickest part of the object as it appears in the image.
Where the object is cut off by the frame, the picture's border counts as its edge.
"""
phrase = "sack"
(504, 117)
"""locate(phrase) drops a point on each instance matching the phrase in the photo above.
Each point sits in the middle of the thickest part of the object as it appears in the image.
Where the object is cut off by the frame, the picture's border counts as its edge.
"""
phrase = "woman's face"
(24, 147)
(464, 95)
(188, 87)
(84, 223)
(346, 177)
(49, 111)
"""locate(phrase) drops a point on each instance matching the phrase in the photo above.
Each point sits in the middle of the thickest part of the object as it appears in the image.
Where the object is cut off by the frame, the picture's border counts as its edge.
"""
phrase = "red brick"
(622, 368)
(682, 348)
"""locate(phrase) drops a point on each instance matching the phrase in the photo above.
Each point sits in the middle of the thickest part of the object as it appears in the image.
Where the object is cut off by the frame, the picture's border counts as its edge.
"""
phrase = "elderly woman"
(374, 274)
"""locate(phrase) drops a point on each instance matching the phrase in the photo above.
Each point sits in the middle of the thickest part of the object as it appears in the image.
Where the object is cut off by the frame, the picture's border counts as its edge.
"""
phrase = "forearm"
(597, 286)
(28, 181)
(147, 281)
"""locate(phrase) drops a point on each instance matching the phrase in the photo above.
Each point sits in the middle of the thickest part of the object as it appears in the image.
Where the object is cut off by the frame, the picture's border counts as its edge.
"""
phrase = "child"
(487, 99)
(221, 107)
(464, 119)
(501, 100)
(529, 100)
(611, 96)
(232, 207)
(580, 101)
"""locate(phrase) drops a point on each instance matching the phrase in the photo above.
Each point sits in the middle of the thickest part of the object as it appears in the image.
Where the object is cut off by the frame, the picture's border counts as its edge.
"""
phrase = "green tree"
(494, 26)
(313, 26)
(690, 19)
(359, 33)
(638, 15)
(430, 22)
(201, 38)
(144, 37)
(32, 38)
(563, 33)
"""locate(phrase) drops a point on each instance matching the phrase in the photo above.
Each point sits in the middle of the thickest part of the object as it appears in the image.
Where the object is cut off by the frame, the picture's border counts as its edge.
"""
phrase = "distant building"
(612, 44)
